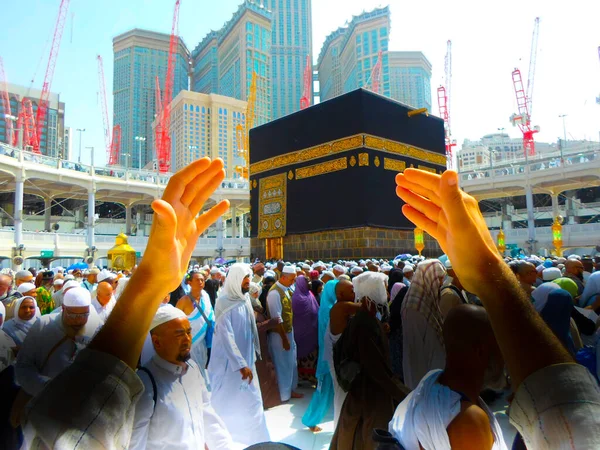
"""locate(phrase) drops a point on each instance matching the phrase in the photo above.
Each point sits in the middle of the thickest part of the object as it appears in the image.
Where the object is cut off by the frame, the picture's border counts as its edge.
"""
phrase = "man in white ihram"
(236, 394)
(175, 411)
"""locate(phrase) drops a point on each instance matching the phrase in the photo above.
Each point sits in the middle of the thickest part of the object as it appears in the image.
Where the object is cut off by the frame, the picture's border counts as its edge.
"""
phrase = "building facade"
(139, 57)
(292, 43)
(350, 53)
(67, 144)
(225, 60)
(53, 130)
(410, 79)
(205, 125)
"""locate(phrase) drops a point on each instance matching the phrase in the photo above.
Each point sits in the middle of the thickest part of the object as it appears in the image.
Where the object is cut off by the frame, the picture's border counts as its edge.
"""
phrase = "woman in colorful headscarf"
(322, 399)
(306, 324)
(25, 316)
(422, 339)
(44, 283)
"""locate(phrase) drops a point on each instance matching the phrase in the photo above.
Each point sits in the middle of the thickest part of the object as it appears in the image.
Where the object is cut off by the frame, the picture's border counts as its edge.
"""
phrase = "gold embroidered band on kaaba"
(344, 145)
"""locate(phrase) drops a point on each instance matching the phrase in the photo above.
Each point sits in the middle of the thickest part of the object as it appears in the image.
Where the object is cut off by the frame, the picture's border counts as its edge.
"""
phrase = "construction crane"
(525, 97)
(374, 83)
(305, 100)
(42, 110)
(598, 98)
(163, 131)
(243, 132)
(113, 143)
(443, 93)
(6, 109)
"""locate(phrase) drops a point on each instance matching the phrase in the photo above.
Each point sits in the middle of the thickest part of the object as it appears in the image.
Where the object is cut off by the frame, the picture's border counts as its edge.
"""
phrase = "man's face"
(326, 278)
(528, 274)
(280, 266)
(197, 281)
(75, 317)
(338, 272)
(345, 291)
(409, 275)
(25, 279)
(92, 278)
(173, 340)
(574, 268)
(104, 293)
(5, 283)
(246, 284)
(27, 310)
(260, 271)
(287, 279)
(31, 293)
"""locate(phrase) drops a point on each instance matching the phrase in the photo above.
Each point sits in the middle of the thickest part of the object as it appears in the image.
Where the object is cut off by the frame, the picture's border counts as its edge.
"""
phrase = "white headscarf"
(231, 296)
(18, 328)
(371, 285)
(541, 293)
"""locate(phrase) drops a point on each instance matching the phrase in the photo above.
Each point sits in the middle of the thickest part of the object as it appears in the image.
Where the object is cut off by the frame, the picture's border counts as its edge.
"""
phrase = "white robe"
(104, 311)
(425, 414)
(199, 330)
(339, 395)
(44, 334)
(238, 403)
(183, 417)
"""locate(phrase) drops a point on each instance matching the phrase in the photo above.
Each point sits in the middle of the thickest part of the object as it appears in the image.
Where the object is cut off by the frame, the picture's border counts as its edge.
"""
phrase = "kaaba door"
(274, 247)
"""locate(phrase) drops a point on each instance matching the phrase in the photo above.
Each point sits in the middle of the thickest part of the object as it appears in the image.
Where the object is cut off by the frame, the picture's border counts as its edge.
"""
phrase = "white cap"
(70, 284)
(270, 273)
(357, 270)
(289, 269)
(77, 297)
(58, 281)
(408, 268)
(328, 273)
(339, 268)
(165, 314)
(25, 287)
(106, 275)
(23, 274)
(551, 273)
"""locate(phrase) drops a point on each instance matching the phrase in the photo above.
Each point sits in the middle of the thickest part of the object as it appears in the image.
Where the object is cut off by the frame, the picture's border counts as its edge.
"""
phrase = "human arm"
(175, 230)
(144, 410)
(185, 304)
(437, 205)
(27, 371)
(471, 430)
(275, 310)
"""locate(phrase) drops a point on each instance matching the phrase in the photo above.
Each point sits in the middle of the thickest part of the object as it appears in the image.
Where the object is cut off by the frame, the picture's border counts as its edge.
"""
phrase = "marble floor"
(285, 423)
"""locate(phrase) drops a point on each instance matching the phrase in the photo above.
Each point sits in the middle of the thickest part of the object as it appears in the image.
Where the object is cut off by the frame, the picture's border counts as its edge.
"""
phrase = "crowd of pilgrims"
(393, 337)
(403, 351)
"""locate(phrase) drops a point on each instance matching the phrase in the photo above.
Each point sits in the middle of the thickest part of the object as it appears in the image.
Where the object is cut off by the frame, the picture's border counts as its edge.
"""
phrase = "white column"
(47, 213)
(128, 217)
(530, 214)
(220, 226)
(19, 212)
(91, 214)
(233, 220)
(242, 223)
(555, 210)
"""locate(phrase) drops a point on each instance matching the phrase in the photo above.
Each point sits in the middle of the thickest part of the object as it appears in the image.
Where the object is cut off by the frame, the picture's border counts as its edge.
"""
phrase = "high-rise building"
(292, 43)
(410, 79)
(224, 61)
(55, 118)
(139, 57)
(349, 54)
(205, 125)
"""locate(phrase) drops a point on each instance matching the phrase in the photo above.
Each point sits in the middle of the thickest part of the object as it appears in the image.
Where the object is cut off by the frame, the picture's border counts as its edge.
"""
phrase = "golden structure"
(419, 240)
(501, 242)
(557, 235)
(122, 255)
(243, 134)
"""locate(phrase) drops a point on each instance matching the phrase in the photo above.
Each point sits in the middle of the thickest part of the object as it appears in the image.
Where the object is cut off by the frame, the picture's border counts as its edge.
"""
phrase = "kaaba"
(322, 179)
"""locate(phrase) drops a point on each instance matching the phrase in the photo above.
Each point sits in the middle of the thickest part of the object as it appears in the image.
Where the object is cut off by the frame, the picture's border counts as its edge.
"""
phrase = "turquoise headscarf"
(328, 299)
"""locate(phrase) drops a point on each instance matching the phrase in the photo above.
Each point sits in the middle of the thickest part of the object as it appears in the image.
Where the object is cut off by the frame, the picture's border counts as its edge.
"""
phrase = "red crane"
(6, 104)
(443, 93)
(42, 110)
(113, 143)
(305, 100)
(163, 131)
(525, 97)
(376, 74)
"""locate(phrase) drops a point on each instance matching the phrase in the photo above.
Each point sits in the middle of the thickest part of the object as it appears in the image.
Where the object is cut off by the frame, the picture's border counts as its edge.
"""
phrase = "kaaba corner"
(322, 180)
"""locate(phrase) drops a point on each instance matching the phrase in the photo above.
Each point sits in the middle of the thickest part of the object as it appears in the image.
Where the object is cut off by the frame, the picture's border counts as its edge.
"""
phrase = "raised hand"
(437, 205)
(176, 227)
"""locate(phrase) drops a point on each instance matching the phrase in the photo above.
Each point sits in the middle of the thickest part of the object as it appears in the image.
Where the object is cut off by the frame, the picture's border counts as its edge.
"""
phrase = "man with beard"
(175, 409)
(235, 392)
(574, 270)
(445, 410)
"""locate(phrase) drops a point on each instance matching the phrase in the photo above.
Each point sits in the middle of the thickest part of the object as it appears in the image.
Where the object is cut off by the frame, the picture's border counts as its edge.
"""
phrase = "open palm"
(176, 226)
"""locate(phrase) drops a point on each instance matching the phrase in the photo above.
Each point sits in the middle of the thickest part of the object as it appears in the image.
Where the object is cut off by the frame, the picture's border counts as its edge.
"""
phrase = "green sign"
(47, 253)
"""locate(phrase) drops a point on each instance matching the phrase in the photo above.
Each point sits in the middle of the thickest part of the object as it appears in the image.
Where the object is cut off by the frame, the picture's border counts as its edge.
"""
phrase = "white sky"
(489, 40)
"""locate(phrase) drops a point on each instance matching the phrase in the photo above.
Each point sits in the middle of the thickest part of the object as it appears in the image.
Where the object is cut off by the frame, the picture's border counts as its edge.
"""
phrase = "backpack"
(154, 388)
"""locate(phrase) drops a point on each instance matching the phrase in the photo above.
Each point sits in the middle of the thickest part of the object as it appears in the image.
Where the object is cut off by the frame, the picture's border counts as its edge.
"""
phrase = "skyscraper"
(139, 57)
(349, 54)
(205, 125)
(410, 79)
(292, 43)
(224, 61)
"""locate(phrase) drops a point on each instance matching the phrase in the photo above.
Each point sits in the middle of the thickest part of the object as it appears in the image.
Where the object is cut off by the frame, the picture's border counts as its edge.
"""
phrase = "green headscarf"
(568, 285)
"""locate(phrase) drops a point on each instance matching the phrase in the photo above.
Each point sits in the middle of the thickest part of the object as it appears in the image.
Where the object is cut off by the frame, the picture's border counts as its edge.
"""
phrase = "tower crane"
(598, 98)
(113, 143)
(524, 95)
(163, 131)
(33, 138)
(375, 78)
(6, 104)
(305, 100)
(243, 132)
(443, 93)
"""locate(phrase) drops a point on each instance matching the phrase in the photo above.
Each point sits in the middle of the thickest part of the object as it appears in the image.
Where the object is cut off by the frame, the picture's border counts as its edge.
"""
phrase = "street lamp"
(92, 148)
(81, 130)
(140, 139)
(562, 116)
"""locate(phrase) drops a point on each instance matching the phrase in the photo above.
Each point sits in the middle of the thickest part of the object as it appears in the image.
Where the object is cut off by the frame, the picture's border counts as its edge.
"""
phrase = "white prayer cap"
(77, 297)
(70, 284)
(254, 288)
(386, 268)
(339, 268)
(69, 277)
(372, 285)
(408, 268)
(561, 260)
(356, 270)
(305, 267)
(551, 274)
(165, 314)
(106, 275)
(269, 273)
(214, 270)
(289, 270)
(207, 268)
(58, 282)
(328, 273)
(577, 257)
(23, 274)
(25, 287)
